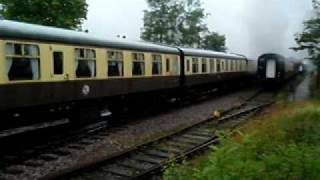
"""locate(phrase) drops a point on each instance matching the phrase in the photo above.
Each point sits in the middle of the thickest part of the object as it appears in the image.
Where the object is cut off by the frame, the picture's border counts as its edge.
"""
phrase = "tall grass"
(287, 148)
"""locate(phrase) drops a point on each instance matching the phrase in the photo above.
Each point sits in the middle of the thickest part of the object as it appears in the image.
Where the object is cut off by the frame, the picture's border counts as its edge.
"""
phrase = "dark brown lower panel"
(203, 79)
(36, 94)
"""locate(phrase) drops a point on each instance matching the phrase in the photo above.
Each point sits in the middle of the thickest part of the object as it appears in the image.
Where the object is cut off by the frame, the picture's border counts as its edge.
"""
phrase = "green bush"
(289, 150)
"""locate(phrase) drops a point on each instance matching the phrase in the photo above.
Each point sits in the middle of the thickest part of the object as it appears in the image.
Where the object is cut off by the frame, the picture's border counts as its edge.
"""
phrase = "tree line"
(171, 22)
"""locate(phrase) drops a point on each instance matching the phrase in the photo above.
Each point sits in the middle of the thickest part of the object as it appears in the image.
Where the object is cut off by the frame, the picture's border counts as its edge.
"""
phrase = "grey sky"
(252, 27)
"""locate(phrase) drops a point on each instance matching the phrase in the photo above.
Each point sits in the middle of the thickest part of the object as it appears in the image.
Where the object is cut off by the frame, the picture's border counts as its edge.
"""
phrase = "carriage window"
(18, 49)
(188, 65)
(156, 65)
(218, 65)
(14, 49)
(195, 65)
(23, 62)
(222, 65)
(228, 66)
(138, 67)
(204, 65)
(236, 66)
(244, 65)
(57, 62)
(232, 66)
(115, 63)
(85, 63)
(168, 65)
(212, 66)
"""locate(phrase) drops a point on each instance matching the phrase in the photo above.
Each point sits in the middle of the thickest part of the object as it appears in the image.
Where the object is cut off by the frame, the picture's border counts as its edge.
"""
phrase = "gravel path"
(138, 133)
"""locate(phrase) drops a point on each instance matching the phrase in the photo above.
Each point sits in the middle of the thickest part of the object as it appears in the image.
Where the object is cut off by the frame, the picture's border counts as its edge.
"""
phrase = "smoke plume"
(272, 24)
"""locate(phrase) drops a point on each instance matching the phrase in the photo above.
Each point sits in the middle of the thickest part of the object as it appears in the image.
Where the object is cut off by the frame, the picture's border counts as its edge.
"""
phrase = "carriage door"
(271, 69)
(58, 63)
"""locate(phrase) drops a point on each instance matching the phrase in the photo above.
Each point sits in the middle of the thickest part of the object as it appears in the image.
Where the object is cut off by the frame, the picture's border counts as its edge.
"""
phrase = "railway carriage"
(51, 73)
(204, 67)
(274, 68)
(61, 69)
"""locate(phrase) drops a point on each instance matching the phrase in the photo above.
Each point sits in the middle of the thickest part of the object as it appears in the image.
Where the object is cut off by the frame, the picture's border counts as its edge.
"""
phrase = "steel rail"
(164, 161)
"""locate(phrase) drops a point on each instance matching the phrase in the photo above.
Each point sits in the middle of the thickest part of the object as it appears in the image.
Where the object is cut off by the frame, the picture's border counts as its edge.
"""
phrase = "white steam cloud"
(268, 27)
(271, 25)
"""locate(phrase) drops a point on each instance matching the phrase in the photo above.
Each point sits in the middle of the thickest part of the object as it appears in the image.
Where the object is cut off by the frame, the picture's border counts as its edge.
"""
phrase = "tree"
(59, 13)
(179, 22)
(161, 23)
(214, 41)
(309, 39)
(193, 27)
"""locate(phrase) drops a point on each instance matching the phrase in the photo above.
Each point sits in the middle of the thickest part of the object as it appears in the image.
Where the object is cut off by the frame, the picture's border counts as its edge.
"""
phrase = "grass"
(284, 145)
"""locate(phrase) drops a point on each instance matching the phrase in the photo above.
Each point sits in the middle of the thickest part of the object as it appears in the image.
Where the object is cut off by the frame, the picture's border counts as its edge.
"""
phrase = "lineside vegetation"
(279, 147)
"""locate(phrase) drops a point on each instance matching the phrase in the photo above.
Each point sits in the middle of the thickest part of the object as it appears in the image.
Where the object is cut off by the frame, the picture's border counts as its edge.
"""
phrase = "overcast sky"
(252, 27)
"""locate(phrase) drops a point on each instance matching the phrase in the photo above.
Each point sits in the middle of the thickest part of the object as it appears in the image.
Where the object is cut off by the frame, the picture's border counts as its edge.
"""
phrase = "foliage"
(309, 39)
(287, 149)
(192, 26)
(181, 23)
(214, 41)
(59, 13)
(161, 23)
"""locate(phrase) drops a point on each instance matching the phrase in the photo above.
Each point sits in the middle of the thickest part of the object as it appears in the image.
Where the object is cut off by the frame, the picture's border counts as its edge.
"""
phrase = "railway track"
(144, 161)
(163, 151)
(48, 149)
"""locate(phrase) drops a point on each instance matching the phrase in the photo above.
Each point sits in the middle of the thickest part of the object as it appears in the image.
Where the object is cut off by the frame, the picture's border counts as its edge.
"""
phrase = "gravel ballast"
(128, 136)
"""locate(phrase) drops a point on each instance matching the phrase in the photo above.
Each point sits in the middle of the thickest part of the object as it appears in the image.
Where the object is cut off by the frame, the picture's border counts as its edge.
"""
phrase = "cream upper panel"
(3, 79)
(69, 63)
(214, 65)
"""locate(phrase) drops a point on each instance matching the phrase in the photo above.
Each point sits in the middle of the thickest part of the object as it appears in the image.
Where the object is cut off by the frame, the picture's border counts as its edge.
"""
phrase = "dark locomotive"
(275, 68)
